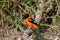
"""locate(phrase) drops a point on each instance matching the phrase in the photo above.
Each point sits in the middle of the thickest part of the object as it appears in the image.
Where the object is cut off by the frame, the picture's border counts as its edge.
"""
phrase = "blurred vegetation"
(12, 13)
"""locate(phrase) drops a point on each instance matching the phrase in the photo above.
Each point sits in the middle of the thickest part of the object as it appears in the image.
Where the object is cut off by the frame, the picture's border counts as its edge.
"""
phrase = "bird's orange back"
(29, 24)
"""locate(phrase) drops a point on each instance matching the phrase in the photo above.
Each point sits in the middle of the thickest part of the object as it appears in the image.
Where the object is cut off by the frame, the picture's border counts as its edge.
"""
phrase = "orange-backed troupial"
(29, 21)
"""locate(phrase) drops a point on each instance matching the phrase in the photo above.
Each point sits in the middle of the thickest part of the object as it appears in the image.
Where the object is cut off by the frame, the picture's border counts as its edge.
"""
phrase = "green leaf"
(25, 1)
(4, 0)
(21, 28)
(33, 10)
(44, 24)
(26, 8)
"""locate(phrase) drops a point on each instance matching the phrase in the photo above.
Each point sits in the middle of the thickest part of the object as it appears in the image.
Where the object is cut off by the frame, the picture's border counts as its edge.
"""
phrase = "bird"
(29, 21)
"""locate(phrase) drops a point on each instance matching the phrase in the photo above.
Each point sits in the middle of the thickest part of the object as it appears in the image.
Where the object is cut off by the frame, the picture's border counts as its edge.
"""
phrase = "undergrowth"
(12, 13)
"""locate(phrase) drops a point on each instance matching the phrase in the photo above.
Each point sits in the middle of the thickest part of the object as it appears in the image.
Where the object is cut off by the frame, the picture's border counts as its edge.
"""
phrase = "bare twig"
(26, 33)
(39, 13)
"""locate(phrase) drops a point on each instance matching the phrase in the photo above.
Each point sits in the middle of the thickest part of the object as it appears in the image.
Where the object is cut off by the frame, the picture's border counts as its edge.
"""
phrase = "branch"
(26, 33)
(39, 12)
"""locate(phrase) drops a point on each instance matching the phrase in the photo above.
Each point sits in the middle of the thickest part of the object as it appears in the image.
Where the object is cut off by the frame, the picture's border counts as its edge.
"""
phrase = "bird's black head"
(25, 16)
